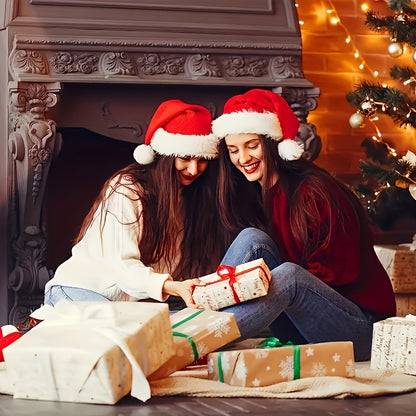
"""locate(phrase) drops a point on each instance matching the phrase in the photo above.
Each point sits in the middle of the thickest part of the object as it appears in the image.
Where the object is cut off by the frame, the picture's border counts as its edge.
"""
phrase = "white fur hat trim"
(248, 122)
(175, 144)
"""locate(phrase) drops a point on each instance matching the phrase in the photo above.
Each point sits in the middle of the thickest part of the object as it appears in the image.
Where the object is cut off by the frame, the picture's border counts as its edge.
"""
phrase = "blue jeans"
(56, 293)
(298, 307)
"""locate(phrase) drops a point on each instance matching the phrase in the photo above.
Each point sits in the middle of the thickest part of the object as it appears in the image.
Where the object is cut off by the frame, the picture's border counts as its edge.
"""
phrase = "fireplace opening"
(76, 176)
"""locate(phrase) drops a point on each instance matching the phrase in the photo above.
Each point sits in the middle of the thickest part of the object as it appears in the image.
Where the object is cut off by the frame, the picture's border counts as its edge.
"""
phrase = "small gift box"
(231, 285)
(394, 344)
(196, 332)
(91, 352)
(272, 362)
(400, 263)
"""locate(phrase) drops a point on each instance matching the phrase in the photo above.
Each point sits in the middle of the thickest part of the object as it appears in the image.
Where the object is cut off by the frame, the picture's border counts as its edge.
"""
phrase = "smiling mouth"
(251, 168)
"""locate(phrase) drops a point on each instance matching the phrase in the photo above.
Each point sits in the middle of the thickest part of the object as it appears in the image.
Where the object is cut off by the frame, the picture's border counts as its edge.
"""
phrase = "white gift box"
(90, 352)
(231, 285)
(399, 262)
(394, 344)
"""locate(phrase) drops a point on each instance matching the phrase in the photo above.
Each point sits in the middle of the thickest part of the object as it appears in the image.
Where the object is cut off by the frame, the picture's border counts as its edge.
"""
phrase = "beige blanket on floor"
(366, 383)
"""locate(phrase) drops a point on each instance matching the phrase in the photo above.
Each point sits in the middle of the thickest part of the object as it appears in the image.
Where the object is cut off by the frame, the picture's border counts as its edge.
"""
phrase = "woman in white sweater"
(154, 227)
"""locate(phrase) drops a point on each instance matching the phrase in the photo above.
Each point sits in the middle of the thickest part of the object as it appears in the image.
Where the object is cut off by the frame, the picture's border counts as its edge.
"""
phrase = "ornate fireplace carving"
(60, 50)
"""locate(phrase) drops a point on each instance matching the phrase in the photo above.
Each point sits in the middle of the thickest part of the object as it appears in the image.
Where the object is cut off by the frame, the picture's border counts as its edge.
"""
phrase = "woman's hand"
(183, 289)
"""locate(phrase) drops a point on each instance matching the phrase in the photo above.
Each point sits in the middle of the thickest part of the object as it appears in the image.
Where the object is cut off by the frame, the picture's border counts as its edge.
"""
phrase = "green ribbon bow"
(270, 342)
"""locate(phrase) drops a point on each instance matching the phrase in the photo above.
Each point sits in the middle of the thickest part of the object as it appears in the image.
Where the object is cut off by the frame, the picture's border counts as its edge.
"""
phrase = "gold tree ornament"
(357, 120)
(395, 49)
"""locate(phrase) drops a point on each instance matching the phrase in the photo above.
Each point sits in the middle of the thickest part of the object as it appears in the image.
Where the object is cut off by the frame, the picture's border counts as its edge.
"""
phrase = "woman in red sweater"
(327, 282)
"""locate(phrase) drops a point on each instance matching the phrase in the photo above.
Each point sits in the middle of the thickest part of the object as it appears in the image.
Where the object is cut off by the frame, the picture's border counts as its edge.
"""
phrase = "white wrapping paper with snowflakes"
(90, 352)
(268, 364)
(394, 344)
(230, 285)
(196, 332)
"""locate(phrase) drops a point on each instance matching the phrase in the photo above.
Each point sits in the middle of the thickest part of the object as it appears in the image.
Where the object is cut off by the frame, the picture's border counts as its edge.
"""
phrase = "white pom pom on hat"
(178, 129)
(262, 112)
(144, 154)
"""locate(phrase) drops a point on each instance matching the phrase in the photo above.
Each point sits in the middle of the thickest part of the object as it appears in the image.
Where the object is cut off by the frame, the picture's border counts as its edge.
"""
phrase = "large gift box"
(400, 263)
(394, 344)
(271, 362)
(90, 352)
(197, 332)
(231, 285)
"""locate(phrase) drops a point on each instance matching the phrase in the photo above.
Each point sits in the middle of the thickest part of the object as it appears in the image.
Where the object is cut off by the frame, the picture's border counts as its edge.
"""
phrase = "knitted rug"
(194, 382)
(366, 383)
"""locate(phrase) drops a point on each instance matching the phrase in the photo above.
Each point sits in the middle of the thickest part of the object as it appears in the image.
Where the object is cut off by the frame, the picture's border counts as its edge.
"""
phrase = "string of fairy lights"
(328, 9)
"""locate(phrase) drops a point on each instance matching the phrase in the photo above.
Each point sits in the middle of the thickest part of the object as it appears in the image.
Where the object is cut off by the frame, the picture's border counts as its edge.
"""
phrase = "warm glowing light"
(334, 20)
(365, 7)
(301, 22)
(329, 11)
(356, 54)
(348, 39)
(376, 73)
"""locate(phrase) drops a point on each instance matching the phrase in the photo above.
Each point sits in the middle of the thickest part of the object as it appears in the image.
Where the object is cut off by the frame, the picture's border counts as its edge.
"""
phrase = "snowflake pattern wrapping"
(90, 352)
(394, 344)
(231, 285)
(196, 332)
(255, 367)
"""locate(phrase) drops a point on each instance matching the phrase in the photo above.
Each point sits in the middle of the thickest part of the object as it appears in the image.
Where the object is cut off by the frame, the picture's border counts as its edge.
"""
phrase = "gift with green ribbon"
(196, 332)
(271, 361)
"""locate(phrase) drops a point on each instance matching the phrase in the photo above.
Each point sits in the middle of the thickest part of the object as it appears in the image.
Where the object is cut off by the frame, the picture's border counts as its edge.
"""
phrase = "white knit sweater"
(110, 264)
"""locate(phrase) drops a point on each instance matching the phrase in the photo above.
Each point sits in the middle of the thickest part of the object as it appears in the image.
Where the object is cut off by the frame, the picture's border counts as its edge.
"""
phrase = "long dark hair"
(244, 204)
(168, 209)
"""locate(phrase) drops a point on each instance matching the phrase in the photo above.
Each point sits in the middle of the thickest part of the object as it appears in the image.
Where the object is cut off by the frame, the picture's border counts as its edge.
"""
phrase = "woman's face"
(190, 168)
(246, 153)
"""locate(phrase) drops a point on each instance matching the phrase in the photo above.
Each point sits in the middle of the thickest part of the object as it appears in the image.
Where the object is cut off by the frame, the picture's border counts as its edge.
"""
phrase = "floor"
(397, 405)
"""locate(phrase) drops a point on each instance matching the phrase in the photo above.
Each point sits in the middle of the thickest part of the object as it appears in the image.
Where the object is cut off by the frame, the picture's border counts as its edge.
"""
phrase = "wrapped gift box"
(91, 352)
(256, 367)
(197, 332)
(400, 264)
(405, 304)
(231, 285)
(394, 344)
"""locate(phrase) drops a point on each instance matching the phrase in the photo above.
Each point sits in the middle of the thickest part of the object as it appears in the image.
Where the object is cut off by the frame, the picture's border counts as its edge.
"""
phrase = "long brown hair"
(237, 211)
(168, 208)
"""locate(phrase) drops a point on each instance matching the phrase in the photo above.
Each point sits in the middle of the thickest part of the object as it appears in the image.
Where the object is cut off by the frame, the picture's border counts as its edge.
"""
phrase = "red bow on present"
(8, 334)
(228, 273)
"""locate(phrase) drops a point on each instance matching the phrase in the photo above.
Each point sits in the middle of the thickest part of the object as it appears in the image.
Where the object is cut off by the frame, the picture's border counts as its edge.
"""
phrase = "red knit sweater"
(349, 264)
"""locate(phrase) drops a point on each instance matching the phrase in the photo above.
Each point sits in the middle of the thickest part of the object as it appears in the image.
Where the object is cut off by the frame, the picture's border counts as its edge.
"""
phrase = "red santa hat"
(261, 112)
(8, 334)
(178, 129)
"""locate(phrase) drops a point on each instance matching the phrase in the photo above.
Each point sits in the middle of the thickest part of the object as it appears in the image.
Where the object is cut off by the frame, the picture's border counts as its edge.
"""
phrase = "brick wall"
(329, 63)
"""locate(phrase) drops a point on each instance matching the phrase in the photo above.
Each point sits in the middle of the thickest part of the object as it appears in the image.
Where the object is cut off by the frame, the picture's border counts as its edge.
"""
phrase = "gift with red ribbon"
(230, 285)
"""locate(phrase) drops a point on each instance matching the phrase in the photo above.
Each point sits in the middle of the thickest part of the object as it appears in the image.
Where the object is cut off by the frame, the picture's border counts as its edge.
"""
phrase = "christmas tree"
(389, 188)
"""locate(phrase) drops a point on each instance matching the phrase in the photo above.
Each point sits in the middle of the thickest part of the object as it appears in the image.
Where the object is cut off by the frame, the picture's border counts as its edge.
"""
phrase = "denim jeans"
(298, 307)
(56, 293)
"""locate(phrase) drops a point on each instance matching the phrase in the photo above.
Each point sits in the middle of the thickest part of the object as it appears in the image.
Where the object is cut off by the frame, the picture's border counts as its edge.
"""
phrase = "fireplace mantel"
(105, 65)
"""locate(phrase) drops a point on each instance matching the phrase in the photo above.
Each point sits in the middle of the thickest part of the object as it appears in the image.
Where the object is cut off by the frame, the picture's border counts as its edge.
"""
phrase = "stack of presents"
(94, 352)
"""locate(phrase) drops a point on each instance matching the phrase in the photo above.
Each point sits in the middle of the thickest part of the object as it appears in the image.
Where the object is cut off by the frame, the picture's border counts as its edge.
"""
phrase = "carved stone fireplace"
(104, 66)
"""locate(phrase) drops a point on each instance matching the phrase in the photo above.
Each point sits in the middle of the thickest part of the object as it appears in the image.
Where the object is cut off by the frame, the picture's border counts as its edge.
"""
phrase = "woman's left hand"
(183, 289)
